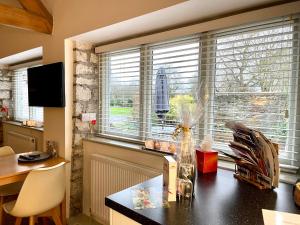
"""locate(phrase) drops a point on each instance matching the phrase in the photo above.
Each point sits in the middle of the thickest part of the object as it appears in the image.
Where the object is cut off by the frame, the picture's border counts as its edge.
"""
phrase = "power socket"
(86, 117)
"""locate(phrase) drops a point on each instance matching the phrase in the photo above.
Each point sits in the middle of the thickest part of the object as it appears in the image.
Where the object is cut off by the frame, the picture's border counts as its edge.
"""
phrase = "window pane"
(36, 113)
(123, 100)
(252, 84)
(22, 111)
(20, 92)
(179, 64)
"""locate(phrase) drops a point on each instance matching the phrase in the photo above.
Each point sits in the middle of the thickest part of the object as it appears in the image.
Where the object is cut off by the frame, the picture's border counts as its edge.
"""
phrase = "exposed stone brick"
(83, 93)
(92, 107)
(85, 99)
(5, 85)
(77, 163)
(4, 94)
(85, 81)
(80, 56)
(84, 69)
(83, 46)
(82, 126)
(93, 58)
(78, 108)
(77, 139)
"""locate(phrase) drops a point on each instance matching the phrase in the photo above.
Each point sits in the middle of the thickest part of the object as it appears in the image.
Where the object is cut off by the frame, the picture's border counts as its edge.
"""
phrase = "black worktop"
(219, 199)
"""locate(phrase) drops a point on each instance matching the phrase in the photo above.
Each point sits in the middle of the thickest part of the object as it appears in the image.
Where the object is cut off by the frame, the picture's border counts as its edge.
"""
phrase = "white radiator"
(20, 142)
(110, 175)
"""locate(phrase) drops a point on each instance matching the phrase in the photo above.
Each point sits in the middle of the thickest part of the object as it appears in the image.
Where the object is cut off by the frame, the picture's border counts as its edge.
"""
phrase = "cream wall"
(70, 18)
(73, 17)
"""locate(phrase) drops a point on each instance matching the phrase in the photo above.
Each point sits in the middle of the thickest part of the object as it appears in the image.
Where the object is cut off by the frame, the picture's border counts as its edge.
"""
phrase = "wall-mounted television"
(46, 85)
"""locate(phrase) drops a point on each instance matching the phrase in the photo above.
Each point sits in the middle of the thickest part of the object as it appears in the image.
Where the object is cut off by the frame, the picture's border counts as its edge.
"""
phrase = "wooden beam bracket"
(34, 17)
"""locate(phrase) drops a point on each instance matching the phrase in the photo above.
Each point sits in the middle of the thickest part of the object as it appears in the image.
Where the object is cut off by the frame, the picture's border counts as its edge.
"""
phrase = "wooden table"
(11, 171)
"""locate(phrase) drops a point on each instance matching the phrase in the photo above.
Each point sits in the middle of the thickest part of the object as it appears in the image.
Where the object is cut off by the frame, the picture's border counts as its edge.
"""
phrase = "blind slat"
(251, 73)
(22, 110)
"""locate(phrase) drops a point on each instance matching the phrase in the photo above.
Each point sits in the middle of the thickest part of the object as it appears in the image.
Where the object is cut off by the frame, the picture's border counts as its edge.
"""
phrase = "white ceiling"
(183, 13)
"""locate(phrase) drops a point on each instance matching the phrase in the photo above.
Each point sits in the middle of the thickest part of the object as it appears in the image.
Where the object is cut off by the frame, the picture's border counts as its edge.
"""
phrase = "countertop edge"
(129, 212)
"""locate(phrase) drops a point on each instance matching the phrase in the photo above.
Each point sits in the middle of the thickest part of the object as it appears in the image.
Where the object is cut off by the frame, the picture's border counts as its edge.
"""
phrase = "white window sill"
(223, 162)
(19, 124)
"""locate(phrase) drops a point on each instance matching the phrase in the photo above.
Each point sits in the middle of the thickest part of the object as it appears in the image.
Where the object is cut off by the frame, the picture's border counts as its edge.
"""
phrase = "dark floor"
(11, 221)
(78, 220)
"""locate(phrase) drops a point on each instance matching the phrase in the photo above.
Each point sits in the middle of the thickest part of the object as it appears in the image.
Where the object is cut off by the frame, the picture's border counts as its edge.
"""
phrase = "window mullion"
(145, 96)
(294, 111)
(104, 89)
(206, 80)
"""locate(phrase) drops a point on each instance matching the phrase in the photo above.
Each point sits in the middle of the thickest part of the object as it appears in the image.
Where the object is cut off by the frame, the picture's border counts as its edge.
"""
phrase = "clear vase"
(186, 164)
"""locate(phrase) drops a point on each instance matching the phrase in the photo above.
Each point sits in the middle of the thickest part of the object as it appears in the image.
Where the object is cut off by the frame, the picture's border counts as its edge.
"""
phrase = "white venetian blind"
(253, 75)
(121, 93)
(179, 61)
(128, 81)
(22, 111)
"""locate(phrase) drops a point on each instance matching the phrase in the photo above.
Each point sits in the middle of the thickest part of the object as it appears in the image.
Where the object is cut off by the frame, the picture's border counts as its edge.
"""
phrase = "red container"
(207, 162)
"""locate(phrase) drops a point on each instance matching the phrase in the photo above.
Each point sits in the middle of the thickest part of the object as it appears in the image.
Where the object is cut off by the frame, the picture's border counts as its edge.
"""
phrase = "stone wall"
(85, 100)
(6, 89)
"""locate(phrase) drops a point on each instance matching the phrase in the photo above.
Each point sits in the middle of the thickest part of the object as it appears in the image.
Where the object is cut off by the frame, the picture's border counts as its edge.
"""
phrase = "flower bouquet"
(189, 115)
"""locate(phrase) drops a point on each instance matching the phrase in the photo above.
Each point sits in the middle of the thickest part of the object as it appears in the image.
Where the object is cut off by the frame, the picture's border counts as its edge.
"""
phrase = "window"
(22, 111)
(254, 83)
(131, 75)
(120, 107)
(251, 73)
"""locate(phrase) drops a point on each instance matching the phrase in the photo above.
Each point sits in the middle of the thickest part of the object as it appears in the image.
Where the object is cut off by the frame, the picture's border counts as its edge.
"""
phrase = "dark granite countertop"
(219, 199)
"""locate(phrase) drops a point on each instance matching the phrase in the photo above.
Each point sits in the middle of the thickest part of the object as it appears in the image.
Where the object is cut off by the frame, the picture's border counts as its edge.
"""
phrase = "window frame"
(204, 75)
(22, 68)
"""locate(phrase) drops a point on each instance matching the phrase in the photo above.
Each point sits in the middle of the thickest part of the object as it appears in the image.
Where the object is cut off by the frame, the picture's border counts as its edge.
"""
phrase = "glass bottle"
(186, 162)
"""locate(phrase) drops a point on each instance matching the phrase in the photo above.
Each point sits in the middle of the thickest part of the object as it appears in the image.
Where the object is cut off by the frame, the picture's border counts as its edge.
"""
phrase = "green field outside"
(117, 111)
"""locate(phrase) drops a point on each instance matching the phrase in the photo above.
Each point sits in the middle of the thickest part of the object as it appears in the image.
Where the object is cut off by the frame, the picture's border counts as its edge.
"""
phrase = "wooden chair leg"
(18, 221)
(63, 211)
(45, 221)
(1, 210)
(55, 217)
(31, 220)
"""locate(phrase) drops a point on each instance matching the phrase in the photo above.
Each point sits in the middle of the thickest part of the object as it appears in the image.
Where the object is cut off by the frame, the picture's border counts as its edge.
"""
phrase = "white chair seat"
(10, 189)
(9, 206)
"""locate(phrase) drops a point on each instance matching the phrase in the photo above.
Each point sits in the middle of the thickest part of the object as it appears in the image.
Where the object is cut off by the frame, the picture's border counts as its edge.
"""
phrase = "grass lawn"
(117, 111)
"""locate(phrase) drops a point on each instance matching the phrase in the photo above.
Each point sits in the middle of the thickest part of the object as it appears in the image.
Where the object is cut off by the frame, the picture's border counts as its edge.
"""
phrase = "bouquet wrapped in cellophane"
(189, 113)
(256, 157)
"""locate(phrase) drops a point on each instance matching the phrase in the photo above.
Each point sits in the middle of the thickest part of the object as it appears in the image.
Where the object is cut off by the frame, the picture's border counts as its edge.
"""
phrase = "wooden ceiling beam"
(20, 18)
(36, 7)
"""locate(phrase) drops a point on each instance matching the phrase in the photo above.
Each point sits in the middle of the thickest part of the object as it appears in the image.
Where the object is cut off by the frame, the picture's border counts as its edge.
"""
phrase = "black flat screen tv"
(46, 85)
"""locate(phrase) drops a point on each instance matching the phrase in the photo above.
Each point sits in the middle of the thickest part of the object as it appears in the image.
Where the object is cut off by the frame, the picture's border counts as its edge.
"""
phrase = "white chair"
(42, 193)
(9, 189)
(6, 150)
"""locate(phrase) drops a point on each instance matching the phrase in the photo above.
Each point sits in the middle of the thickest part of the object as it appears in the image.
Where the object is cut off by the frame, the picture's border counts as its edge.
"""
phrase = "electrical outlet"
(85, 117)
(92, 116)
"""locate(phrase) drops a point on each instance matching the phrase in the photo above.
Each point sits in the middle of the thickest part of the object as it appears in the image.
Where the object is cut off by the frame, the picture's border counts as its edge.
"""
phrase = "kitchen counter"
(219, 199)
